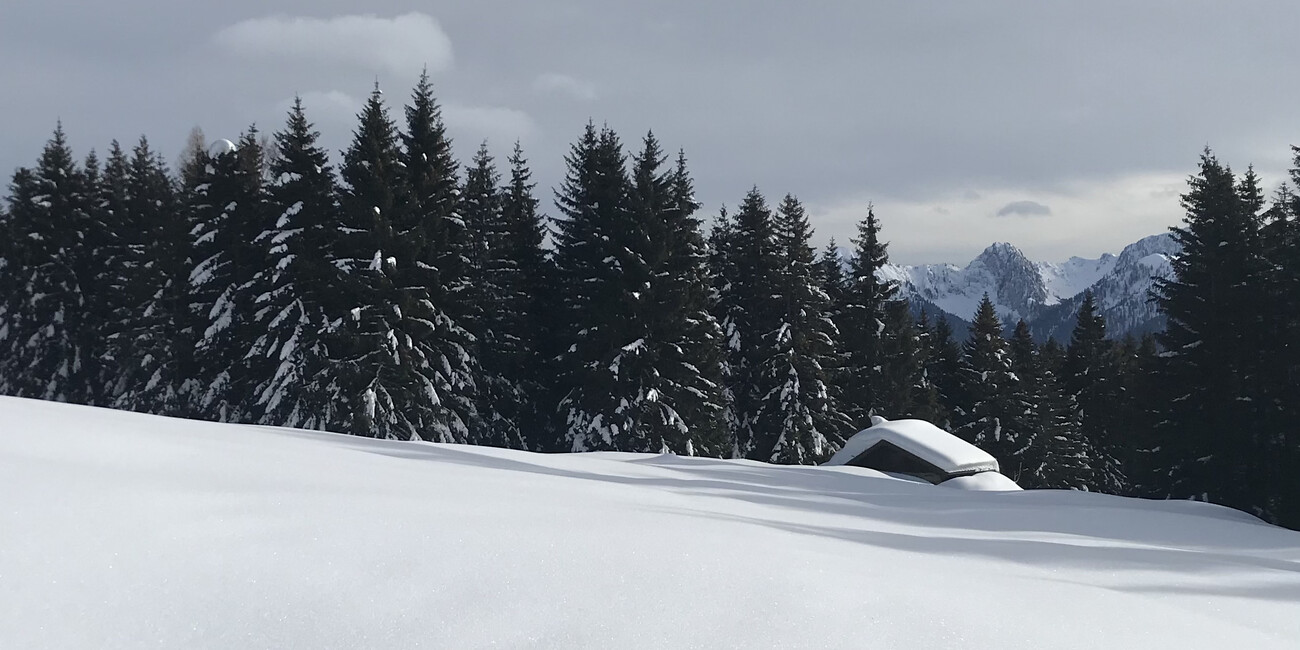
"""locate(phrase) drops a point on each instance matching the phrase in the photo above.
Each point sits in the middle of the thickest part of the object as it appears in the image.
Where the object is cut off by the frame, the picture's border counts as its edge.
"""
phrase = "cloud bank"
(395, 45)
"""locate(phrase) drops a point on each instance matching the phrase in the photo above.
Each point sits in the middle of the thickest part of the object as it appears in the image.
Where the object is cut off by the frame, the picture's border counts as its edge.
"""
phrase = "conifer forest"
(404, 292)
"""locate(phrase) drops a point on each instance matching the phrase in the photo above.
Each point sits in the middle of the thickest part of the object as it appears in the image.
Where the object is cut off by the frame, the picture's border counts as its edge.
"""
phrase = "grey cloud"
(1024, 209)
(896, 101)
(565, 84)
(380, 44)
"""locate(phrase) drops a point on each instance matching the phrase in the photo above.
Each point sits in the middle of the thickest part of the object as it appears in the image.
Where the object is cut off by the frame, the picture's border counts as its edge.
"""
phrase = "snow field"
(120, 530)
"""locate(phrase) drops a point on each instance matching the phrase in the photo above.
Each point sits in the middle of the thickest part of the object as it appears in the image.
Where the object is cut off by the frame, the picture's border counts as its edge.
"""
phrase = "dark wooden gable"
(884, 456)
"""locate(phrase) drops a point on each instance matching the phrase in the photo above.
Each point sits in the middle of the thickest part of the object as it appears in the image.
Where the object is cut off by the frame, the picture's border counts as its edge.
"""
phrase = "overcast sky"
(1066, 128)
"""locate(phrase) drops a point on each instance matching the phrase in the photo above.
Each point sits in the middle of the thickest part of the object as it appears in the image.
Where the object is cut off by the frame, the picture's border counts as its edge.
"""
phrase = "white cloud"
(499, 125)
(555, 82)
(401, 44)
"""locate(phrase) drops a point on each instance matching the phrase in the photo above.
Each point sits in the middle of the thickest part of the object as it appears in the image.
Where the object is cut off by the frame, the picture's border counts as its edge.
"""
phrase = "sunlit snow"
(120, 530)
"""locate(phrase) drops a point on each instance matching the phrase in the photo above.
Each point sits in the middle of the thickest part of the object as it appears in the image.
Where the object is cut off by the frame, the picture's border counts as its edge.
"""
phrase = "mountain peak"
(1043, 293)
(1001, 249)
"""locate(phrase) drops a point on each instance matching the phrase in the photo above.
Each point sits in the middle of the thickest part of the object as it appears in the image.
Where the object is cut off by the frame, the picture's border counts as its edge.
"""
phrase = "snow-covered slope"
(1045, 294)
(1073, 276)
(120, 530)
(1122, 294)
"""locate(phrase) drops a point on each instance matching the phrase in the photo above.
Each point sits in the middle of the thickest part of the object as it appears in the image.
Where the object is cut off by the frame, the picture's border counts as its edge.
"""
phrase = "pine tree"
(798, 421)
(862, 325)
(229, 212)
(1215, 444)
(748, 266)
(50, 207)
(429, 245)
(830, 272)
(688, 338)
(591, 270)
(1031, 464)
(480, 210)
(1280, 350)
(15, 256)
(1138, 361)
(1091, 377)
(294, 289)
(990, 411)
(401, 366)
(943, 369)
(155, 336)
(1053, 451)
(527, 285)
(115, 237)
(725, 308)
(627, 265)
(904, 388)
(491, 287)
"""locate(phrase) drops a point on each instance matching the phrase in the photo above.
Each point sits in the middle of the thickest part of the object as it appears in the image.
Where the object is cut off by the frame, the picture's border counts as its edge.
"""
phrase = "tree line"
(400, 296)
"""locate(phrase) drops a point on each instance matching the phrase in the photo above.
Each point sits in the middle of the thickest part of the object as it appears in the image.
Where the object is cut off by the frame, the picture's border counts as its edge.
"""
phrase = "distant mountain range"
(1047, 295)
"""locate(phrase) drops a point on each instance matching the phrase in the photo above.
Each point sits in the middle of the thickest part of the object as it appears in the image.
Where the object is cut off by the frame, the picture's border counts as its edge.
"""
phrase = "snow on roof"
(923, 440)
(983, 482)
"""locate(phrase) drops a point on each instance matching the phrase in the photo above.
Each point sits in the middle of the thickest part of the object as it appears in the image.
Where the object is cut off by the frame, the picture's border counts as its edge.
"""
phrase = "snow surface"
(923, 440)
(120, 530)
(1071, 277)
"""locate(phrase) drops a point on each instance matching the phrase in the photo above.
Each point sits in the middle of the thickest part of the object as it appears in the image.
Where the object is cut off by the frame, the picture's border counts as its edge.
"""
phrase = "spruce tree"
(862, 326)
(943, 369)
(596, 293)
(401, 366)
(830, 272)
(156, 336)
(1216, 446)
(748, 270)
(990, 411)
(1091, 377)
(1030, 466)
(295, 288)
(100, 253)
(491, 286)
(628, 268)
(229, 212)
(688, 338)
(1281, 352)
(1064, 454)
(903, 385)
(527, 285)
(797, 421)
(726, 310)
(429, 245)
(50, 209)
(480, 210)
(15, 257)
(1053, 451)
(1137, 368)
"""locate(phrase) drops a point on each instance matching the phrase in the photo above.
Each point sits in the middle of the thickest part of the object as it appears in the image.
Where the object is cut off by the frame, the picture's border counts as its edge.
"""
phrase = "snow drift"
(120, 530)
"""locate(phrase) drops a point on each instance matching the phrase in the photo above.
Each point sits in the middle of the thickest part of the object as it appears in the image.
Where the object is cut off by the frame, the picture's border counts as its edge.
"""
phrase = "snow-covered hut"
(920, 449)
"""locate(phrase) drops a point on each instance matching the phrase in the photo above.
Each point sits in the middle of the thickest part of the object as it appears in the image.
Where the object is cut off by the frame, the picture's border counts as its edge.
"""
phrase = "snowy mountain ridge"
(1045, 294)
